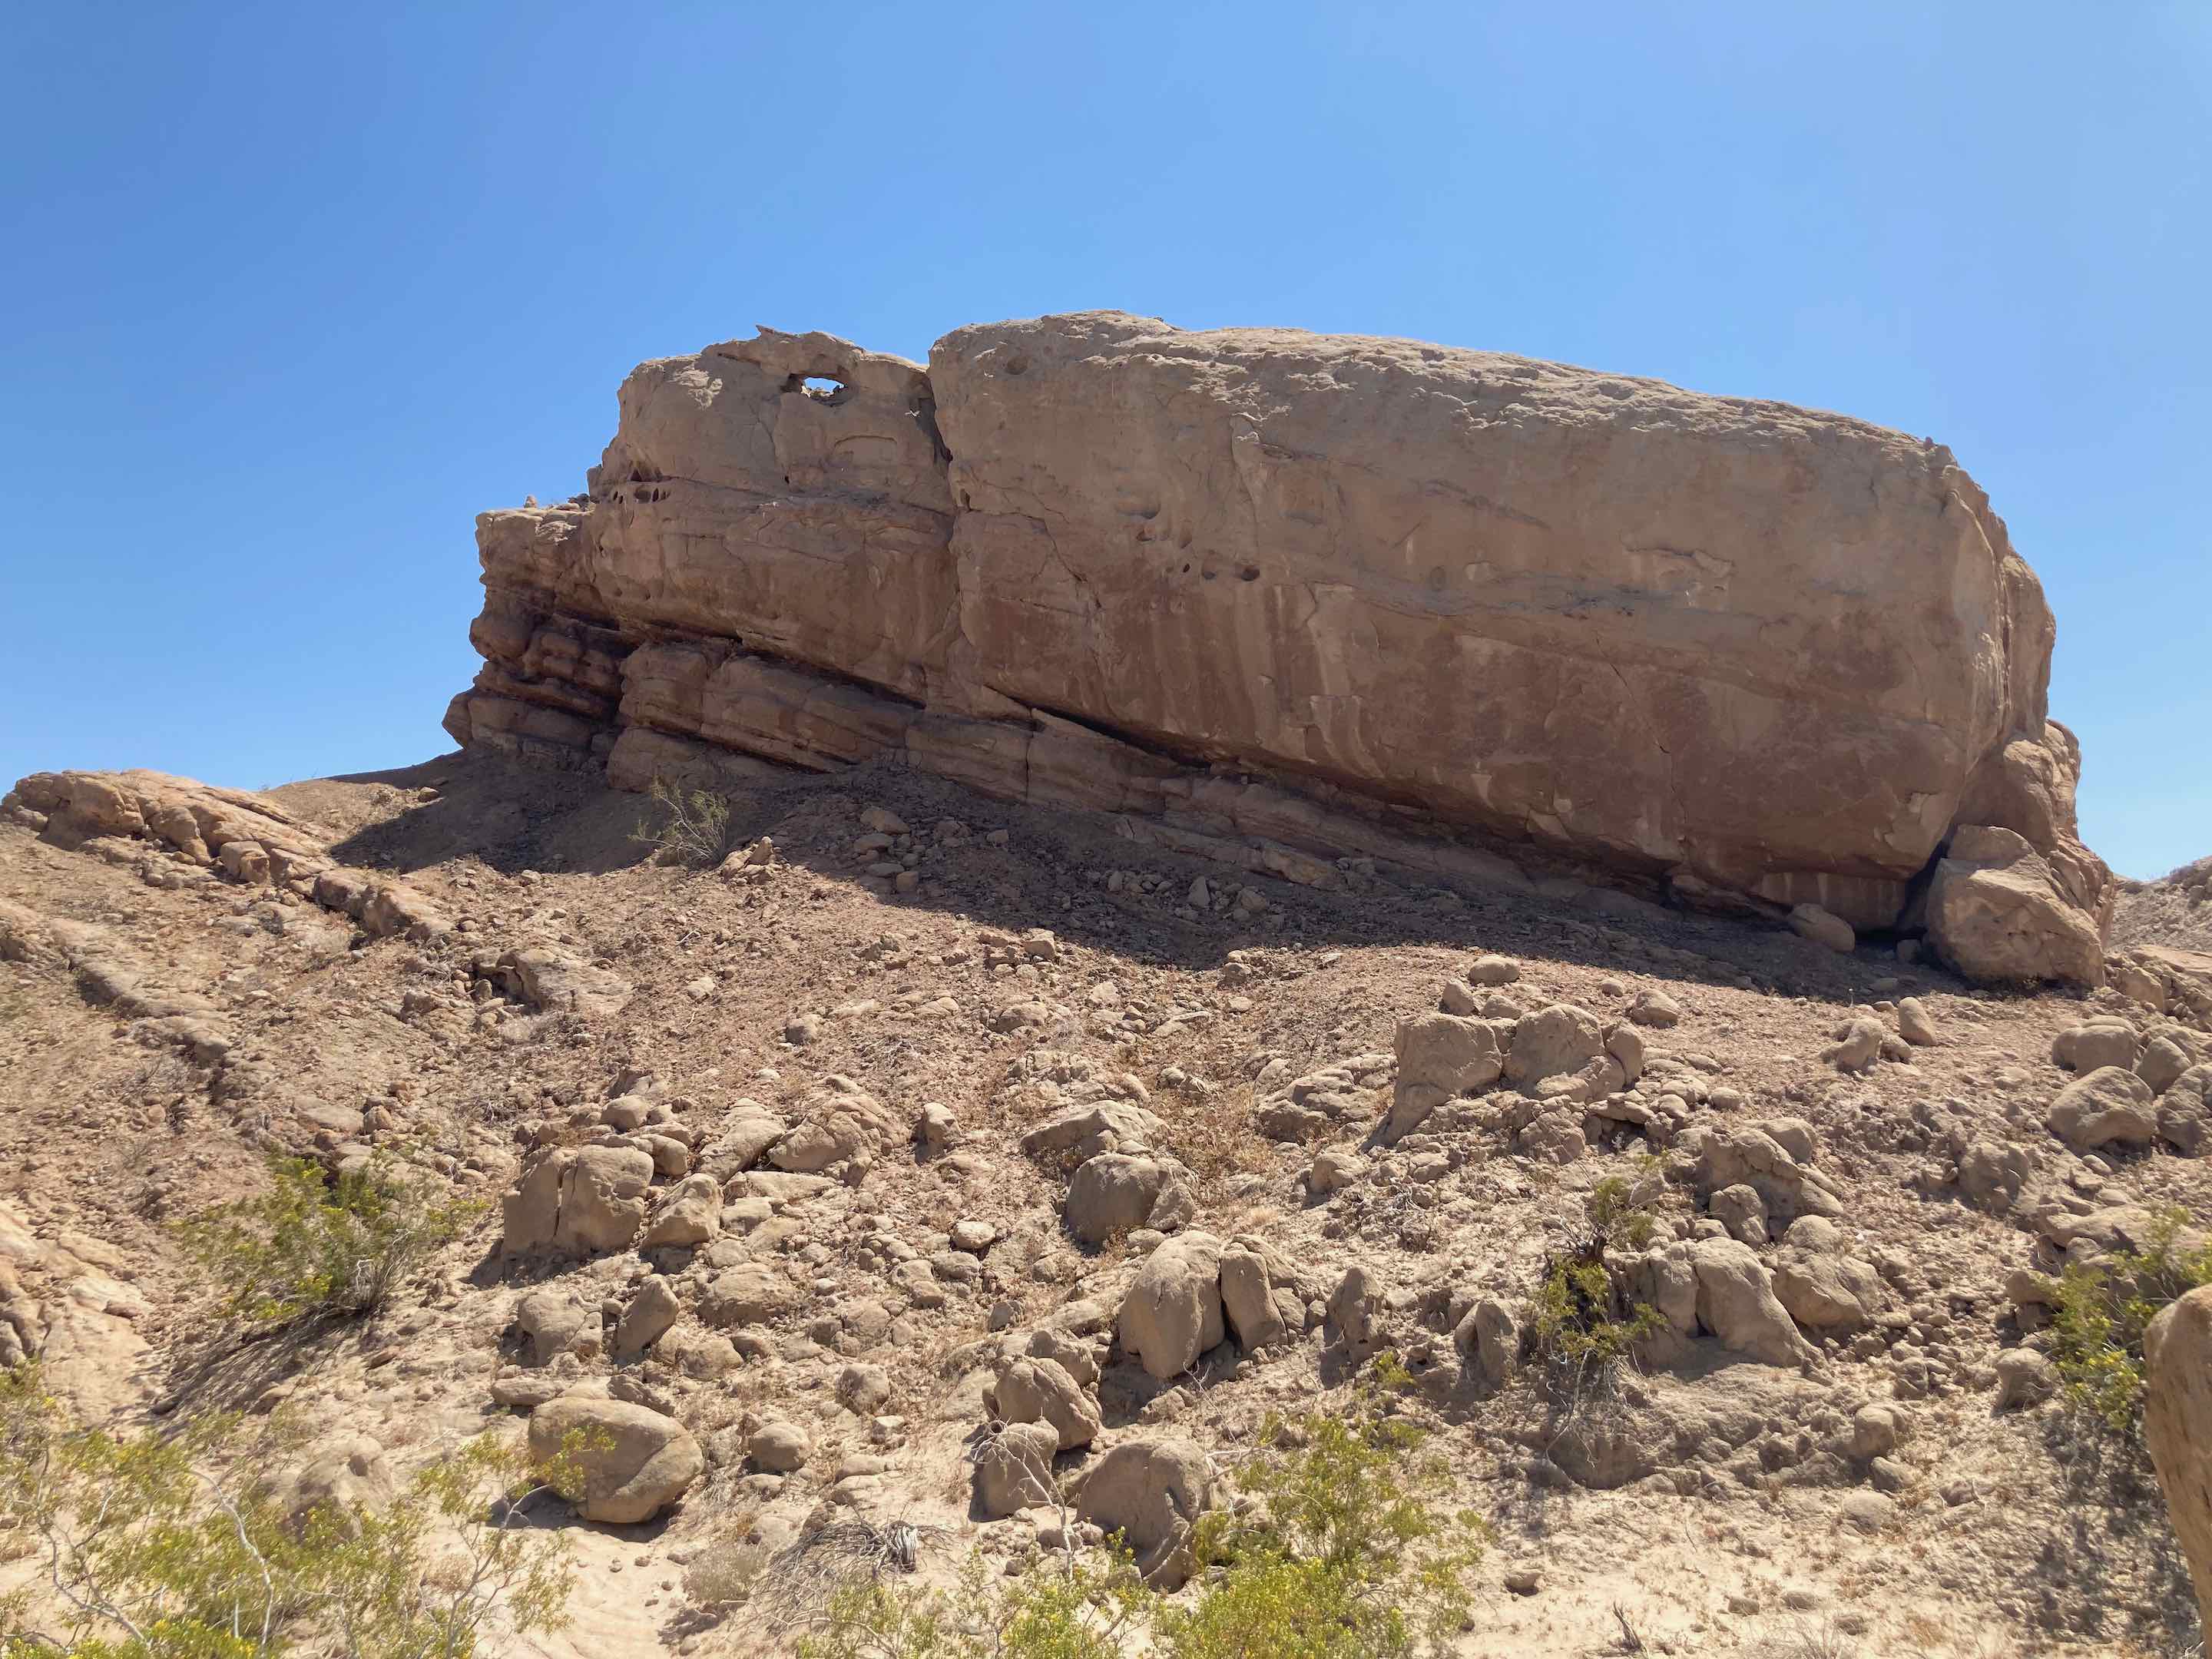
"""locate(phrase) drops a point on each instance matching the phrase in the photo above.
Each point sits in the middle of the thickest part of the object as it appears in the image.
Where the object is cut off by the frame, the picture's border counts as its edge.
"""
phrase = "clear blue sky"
(290, 292)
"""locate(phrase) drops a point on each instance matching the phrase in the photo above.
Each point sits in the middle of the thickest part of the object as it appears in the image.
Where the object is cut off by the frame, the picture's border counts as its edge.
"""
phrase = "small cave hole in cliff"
(820, 386)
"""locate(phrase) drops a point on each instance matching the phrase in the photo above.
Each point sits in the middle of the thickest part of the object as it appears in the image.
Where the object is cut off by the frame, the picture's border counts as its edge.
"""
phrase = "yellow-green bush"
(1071, 1610)
(1349, 1551)
(312, 1247)
(1584, 1325)
(1347, 1548)
(694, 826)
(2104, 1310)
(155, 1545)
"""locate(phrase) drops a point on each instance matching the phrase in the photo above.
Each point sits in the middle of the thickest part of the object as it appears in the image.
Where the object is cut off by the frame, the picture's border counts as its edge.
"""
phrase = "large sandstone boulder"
(633, 1462)
(645, 1320)
(1440, 1056)
(2184, 1112)
(2177, 1426)
(2100, 1041)
(842, 1127)
(1259, 1293)
(1821, 1286)
(195, 820)
(1118, 1192)
(1557, 1042)
(1013, 1468)
(751, 1293)
(1773, 1157)
(577, 1200)
(1721, 1287)
(1152, 1491)
(1754, 648)
(2107, 1105)
(1172, 1312)
(1042, 1391)
(1737, 1303)
(1998, 912)
(553, 1322)
(689, 1214)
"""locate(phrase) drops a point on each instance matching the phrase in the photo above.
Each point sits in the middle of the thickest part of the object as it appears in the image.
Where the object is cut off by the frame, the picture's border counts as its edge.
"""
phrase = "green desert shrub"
(1071, 1610)
(693, 827)
(1346, 1546)
(1584, 1325)
(311, 1247)
(165, 1545)
(2104, 1308)
(1350, 1548)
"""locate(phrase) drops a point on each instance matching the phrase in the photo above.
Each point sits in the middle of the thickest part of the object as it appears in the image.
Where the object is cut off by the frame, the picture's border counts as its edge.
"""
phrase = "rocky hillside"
(2175, 910)
(926, 1124)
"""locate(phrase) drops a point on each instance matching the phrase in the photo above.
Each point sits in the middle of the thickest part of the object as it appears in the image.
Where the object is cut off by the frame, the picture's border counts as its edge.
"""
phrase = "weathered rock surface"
(1413, 592)
(1722, 1417)
(1013, 1468)
(232, 836)
(1173, 1313)
(1042, 1391)
(1997, 911)
(580, 1201)
(2177, 1426)
(1152, 1491)
(1721, 1287)
(1117, 1192)
(634, 1462)
(2107, 1105)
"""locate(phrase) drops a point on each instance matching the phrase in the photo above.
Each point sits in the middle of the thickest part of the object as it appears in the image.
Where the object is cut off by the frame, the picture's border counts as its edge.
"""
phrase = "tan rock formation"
(1283, 597)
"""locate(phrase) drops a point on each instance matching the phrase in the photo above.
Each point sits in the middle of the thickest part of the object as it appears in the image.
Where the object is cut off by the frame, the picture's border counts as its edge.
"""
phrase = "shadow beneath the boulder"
(515, 817)
(2110, 1567)
(230, 1371)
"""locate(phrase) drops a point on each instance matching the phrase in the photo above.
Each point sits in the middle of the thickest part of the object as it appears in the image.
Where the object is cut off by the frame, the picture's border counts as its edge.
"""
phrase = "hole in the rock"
(823, 388)
(1251, 573)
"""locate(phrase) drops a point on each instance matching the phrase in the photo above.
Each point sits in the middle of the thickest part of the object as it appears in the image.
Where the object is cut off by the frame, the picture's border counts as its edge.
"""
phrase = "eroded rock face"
(1172, 1312)
(1751, 649)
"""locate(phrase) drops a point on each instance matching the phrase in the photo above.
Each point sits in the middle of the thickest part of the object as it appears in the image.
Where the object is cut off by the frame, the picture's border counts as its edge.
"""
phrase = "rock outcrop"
(1282, 598)
(202, 833)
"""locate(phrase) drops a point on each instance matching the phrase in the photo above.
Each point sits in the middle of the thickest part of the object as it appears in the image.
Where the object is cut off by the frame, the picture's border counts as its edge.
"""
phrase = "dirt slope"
(1717, 1501)
(2175, 910)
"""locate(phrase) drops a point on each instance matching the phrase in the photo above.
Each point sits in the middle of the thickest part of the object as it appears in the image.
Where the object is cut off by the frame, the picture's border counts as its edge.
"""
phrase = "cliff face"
(1294, 597)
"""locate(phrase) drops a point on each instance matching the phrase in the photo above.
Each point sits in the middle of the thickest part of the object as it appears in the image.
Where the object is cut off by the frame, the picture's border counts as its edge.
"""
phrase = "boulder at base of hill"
(633, 1461)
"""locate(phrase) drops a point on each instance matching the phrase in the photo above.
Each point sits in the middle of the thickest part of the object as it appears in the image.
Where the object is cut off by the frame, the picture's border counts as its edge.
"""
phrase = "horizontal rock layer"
(1313, 596)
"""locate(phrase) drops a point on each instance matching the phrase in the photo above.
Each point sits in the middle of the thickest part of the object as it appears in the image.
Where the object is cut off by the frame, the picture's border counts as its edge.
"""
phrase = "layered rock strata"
(1289, 598)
